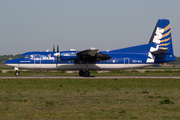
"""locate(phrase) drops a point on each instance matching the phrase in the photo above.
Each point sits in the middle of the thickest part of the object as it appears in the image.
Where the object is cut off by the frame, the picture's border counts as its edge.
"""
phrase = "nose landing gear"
(16, 73)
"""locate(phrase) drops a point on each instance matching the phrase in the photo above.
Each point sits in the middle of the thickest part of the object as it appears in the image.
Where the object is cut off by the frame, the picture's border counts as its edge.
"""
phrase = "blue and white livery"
(158, 50)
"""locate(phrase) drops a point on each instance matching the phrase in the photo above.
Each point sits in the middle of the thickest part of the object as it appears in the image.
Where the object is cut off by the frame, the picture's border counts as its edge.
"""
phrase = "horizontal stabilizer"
(160, 52)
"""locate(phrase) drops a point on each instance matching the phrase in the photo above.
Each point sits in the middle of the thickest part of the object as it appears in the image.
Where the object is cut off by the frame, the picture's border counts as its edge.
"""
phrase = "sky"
(35, 25)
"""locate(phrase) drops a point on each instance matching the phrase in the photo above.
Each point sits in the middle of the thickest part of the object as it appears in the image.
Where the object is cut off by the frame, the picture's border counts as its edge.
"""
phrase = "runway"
(91, 77)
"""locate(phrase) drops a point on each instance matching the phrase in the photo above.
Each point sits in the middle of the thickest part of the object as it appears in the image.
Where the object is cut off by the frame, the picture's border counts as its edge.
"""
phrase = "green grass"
(94, 73)
(89, 99)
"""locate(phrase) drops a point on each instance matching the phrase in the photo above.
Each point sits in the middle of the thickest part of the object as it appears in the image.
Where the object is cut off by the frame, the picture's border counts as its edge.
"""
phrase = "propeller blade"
(58, 55)
(57, 48)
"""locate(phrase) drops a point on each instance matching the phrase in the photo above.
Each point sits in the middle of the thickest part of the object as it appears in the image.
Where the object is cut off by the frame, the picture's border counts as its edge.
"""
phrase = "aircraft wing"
(92, 55)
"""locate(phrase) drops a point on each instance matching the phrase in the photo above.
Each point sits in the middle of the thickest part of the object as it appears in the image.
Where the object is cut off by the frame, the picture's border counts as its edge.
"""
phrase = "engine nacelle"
(98, 57)
(69, 55)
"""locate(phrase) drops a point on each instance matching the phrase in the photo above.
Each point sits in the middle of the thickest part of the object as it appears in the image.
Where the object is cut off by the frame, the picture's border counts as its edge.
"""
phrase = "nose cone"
(11, 62)
(6, 62)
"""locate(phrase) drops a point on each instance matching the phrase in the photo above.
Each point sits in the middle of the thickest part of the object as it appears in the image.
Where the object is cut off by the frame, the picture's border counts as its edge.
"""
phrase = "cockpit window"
(22, 56)
(27, 56)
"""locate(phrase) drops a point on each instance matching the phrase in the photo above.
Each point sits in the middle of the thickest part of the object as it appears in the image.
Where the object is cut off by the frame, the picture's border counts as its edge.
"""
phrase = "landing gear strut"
(16, 73)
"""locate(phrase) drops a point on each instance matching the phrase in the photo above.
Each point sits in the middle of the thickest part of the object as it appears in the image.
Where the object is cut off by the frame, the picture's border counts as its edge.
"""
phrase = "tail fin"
(161, 43)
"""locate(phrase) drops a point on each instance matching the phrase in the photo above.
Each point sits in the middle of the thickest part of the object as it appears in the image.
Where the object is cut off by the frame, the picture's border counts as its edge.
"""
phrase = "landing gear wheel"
(87, 74)
(16, 73)
(81, 73)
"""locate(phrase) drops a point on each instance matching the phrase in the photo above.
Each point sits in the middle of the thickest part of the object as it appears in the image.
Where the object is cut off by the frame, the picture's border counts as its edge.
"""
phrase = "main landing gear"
(84, 72)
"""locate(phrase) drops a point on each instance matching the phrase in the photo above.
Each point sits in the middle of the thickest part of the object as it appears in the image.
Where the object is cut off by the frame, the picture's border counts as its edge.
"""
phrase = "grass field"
(89, 99)
(95, 73)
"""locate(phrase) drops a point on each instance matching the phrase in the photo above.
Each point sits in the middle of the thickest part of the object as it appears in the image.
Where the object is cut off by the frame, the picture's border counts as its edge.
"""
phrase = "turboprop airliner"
(158, 50)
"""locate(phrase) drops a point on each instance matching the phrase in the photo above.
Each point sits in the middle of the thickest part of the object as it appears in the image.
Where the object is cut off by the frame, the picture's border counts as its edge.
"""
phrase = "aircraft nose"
(6, 62)
(12, 63)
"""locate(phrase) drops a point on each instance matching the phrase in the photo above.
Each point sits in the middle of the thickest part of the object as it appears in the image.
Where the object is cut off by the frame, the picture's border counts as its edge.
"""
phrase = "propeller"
(57, 54)
(57, 48)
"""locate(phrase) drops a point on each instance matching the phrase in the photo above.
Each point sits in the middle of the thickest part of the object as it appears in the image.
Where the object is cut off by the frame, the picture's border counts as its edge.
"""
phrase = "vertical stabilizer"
(161, 43)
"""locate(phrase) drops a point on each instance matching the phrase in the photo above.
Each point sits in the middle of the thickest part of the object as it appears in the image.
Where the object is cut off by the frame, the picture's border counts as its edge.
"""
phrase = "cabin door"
(37, 61)
(126, 62)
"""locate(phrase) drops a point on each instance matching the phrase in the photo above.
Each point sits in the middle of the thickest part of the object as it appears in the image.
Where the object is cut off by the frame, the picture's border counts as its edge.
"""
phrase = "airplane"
(158, 50)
